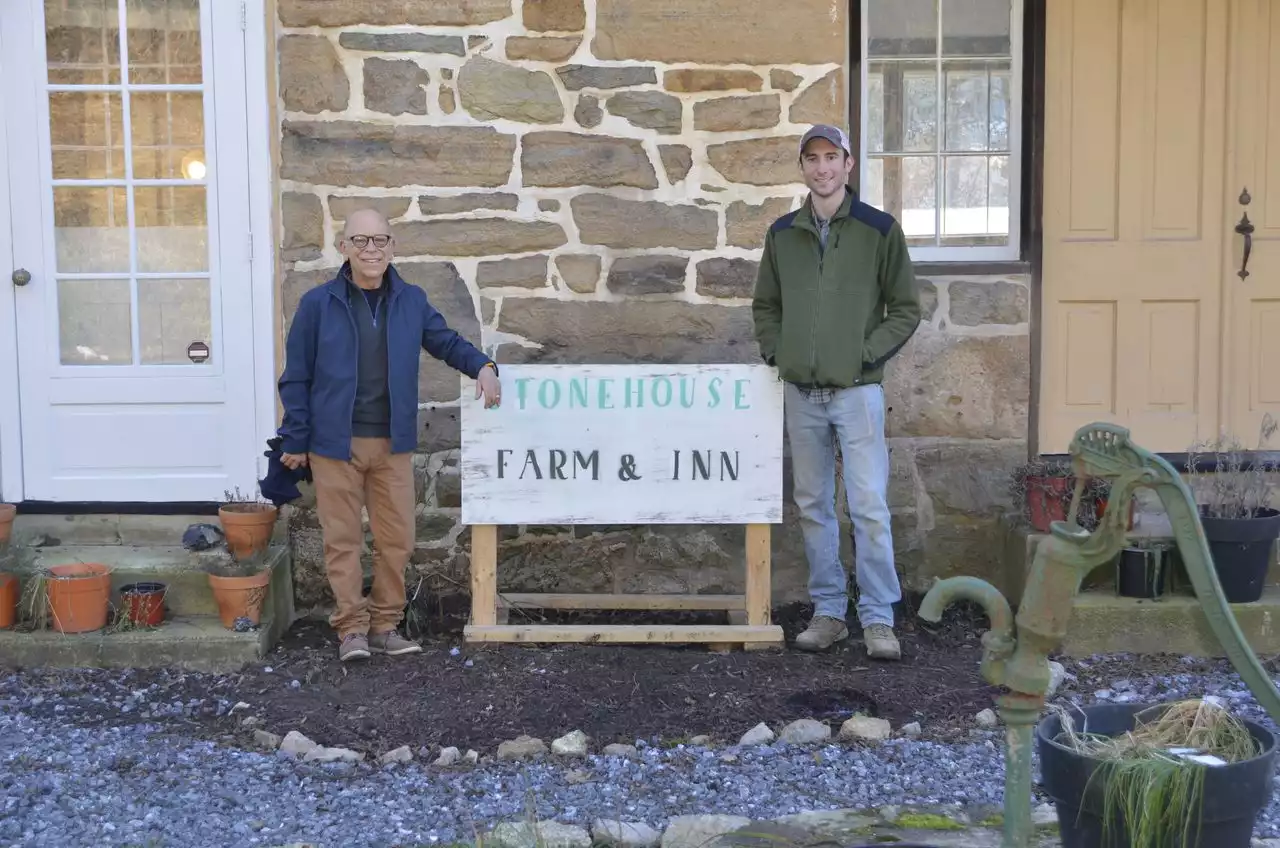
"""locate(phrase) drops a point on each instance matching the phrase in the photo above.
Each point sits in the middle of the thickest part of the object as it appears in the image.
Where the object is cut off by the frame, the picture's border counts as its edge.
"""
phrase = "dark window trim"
(975, 269)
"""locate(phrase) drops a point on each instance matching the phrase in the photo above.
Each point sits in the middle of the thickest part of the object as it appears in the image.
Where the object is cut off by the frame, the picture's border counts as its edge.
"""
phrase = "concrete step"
(1102, 622)
(114, 529)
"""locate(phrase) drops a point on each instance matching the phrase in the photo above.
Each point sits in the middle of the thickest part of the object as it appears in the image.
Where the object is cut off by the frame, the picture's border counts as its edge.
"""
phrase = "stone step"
(113, 529)
(1103, 623)
(198, 643)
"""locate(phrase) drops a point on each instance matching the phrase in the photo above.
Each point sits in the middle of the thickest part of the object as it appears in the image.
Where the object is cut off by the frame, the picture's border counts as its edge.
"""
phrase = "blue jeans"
(856, 417)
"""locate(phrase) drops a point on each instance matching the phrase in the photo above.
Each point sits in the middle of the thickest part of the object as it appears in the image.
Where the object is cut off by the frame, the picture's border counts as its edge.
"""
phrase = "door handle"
(1245, 228)
(21, 277)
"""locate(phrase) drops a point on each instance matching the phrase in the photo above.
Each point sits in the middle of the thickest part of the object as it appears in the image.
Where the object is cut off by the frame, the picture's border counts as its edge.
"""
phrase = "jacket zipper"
(817, 310)
(355, 331)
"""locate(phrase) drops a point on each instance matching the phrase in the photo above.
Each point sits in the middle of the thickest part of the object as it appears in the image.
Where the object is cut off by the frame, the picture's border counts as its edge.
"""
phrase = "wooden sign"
(625, 444)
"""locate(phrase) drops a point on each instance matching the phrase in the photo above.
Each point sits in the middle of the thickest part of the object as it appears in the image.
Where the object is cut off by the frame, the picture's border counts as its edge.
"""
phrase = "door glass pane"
(86, 130)
(82, 41)
(171, 315)
(168, 135)
(172, 233)
(93, 322)
(91, 230)
(164, 41)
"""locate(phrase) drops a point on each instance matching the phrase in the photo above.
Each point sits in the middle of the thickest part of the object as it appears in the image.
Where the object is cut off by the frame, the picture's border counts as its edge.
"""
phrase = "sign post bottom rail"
(749, 613)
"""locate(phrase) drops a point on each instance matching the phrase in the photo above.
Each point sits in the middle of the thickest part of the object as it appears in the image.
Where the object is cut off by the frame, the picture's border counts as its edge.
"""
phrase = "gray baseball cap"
(835, 135)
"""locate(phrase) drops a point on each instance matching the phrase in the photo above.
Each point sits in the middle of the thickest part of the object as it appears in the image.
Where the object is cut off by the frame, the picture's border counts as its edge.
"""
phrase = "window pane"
(872, 191)
(918, 192)
(902, 27)
(168, 135)
(874, 104)
(976, 28)
(972, 96)
(919, 111)
(164, 41)
(82, 41)
(171, 315)
(86, 131)
(94, 326)
(91, 230)
(1001, 93)
(172, 228)
(977, 197)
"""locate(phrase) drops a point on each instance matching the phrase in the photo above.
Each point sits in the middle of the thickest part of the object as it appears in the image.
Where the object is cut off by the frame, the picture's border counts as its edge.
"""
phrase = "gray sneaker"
(393, 644)
(823, 632)
(354, 646)
(881, 643)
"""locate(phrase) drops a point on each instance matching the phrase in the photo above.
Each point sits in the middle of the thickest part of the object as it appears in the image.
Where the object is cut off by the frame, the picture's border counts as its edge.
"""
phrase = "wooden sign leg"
(759, 589)
(484, 575)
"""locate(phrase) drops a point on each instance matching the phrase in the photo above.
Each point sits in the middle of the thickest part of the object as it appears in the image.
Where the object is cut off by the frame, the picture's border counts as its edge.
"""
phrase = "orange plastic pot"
(7, 513)
(248, 527)
(79, 596)
(239, 597)
(8, 600)
(144, 603)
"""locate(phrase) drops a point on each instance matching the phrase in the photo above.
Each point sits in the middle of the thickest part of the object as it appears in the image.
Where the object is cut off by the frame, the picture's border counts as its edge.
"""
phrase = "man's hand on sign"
(490, 386)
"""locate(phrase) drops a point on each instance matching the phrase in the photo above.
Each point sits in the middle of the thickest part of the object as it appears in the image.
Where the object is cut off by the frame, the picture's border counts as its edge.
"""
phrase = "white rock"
(240, 705)
(1044, 815)
(570, 745)
(1057, 674)
(912, 730)
(865, 728)
(403, 754)
(619, 834)
(758, 735)
(543, 834)
(805, 731)
(700, 741)
(297, 744)
(728, 757)
(987, 719)
(270, 741)
(448, 757)
(698, 831)
(250, 721)
(471, 757)
(618, 750)
(320, 754)
(521, 748)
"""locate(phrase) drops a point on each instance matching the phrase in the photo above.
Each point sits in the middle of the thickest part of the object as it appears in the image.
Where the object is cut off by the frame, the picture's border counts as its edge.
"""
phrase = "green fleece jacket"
(834, 317)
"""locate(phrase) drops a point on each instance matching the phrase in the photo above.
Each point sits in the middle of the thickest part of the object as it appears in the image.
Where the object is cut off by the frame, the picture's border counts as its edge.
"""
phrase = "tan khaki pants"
(383, 482)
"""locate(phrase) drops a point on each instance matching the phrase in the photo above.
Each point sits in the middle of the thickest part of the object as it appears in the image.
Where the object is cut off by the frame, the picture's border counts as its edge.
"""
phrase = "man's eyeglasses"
(361, 242)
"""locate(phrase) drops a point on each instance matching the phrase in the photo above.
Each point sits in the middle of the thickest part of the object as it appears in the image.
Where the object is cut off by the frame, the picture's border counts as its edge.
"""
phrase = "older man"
(350, 396)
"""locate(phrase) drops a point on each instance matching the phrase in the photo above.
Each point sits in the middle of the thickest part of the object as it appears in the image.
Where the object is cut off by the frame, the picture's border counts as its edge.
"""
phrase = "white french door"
(128, 163)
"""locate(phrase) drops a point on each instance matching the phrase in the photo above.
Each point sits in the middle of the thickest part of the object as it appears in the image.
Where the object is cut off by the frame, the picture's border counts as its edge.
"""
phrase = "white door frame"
(257, 194)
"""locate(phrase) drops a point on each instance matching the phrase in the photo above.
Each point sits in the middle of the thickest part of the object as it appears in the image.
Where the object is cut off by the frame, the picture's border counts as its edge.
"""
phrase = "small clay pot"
(247, 527)
(79, 596)
(8, 600)
(239, 597)
(7, 514)
(143, 603)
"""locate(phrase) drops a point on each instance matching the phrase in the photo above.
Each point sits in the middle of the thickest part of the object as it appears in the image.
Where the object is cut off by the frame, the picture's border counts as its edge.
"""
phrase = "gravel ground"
(63, 785)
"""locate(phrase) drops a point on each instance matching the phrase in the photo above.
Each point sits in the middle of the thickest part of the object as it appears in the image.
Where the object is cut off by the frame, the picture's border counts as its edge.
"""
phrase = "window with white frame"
(940, 134)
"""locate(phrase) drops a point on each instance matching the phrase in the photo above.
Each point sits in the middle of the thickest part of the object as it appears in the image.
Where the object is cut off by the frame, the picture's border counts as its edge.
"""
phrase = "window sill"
(971, 269)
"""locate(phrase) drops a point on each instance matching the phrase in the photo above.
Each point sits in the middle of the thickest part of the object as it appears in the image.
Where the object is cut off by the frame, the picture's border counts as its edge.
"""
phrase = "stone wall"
(590, 181)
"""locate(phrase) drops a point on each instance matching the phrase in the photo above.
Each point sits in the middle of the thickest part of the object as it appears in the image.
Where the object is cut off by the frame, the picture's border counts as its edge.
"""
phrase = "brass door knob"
(21, 277)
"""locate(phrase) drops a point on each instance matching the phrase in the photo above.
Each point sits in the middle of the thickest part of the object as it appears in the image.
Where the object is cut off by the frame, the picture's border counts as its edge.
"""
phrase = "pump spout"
(998, 642)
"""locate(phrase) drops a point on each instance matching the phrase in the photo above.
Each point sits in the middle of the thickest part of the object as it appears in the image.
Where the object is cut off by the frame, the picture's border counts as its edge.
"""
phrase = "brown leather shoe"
(393, 644)
(823, 632)
(354, 646)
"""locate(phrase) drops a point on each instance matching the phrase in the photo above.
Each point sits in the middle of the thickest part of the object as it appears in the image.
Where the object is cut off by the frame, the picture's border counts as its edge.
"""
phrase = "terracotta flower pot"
(8, 600)
(7, 513)
(78, 596)
(239, 597)
(1048, 499)
(248, 527)
(144, 603)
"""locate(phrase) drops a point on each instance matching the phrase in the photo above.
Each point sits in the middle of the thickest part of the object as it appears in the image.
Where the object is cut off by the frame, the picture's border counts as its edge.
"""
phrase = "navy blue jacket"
(318, 386)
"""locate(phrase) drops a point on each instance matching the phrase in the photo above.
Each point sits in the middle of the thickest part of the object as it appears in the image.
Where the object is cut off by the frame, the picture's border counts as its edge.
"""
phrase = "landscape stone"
(758, 161)
(528, 272)
(544, 49)
(912, 730)
(842, 826)
(820, 103)
(448, 293)
(700, 831)
(866, 729)
(617, 749)
(785, 80)
(477, 236)
(393, 207)
(343, 13)
(342, 153)
(620, 223)
(490, 89)
(729, 114)
(471, 757)
(395, 86)
(321, 754)
(588, 112)
(542, 834)
(554, 15)
(402, 42)
(647, 274)
(746, 224)
(577, 77)
(297, 744)
(312, 79)
(693, 80)
(453, 204)
(609, 333)
(976, 303)
(677, 161)
(720, 277)
(805, 731)
(570, 745)
(744, 33)
(1057, 674)
(403, 754)
(581, 273)
(758, 735)
(619, 834)
(700, 741)
(987, 719)
(448, 757)
(554, 159)
(649, 109)
(270, 741)
(520, 748)
(302, 218)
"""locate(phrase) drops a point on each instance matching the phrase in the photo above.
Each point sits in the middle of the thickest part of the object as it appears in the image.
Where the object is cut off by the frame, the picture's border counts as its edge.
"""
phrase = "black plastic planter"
(1233, 795)
(1144, 572)
(1242, 551)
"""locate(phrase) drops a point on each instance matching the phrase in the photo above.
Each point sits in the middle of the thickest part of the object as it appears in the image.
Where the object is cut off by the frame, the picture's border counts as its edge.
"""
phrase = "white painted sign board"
(625, 444)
